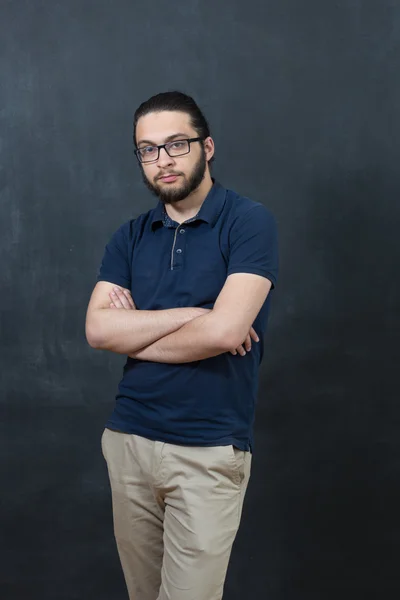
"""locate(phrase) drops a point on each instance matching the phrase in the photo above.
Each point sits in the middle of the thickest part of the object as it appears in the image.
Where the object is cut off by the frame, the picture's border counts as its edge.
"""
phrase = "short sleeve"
(254, 244)
(115, 266)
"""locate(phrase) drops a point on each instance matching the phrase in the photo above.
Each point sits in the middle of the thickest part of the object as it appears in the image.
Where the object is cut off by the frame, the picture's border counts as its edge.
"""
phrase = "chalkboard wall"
(303, 100)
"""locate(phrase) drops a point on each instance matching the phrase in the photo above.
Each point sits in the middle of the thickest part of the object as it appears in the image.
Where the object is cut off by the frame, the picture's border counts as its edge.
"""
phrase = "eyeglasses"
(149, 154)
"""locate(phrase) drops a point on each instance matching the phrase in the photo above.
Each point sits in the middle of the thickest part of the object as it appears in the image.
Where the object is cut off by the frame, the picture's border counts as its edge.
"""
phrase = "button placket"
(178, 252)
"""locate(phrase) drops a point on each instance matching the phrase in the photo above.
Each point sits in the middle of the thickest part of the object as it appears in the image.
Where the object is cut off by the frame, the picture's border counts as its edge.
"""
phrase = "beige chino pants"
(176, 512)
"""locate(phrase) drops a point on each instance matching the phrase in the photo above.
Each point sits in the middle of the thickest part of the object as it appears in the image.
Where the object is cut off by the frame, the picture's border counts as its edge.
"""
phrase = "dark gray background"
(302, 99)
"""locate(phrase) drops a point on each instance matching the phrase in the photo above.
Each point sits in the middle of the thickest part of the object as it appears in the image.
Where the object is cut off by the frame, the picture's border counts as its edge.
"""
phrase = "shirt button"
(182, 231)
(179, 251)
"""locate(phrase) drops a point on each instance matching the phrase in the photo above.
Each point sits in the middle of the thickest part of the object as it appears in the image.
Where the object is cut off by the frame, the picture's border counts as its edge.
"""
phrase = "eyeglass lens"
(150, 153)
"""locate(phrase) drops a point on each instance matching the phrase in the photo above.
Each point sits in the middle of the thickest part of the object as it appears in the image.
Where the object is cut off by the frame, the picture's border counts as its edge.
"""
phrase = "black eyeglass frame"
(189, 140)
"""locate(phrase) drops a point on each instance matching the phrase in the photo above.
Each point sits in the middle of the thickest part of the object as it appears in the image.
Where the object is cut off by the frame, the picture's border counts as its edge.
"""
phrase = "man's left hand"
(121, 298)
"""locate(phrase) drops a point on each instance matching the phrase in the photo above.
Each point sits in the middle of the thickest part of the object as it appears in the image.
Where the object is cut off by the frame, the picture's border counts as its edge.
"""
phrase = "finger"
(241, 350)
(116, 300)
(122, 297)
(128, 296)
(254, 335)
(112, 305)
(247, 343)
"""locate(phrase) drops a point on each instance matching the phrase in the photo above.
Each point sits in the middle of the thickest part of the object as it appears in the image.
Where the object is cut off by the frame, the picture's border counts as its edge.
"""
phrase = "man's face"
(185, 172)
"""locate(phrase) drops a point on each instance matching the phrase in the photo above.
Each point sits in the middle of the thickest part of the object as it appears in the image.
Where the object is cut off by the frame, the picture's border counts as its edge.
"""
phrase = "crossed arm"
(177, 335)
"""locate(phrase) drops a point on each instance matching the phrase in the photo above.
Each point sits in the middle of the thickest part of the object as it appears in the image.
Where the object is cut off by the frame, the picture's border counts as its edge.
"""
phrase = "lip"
(169, 178)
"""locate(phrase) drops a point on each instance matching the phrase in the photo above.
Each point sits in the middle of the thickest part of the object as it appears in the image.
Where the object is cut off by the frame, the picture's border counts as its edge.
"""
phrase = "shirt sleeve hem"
(115, 279)
(254, 271)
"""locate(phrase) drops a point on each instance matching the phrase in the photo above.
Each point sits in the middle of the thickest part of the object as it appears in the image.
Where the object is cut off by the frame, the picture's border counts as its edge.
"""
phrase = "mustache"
(167, 175)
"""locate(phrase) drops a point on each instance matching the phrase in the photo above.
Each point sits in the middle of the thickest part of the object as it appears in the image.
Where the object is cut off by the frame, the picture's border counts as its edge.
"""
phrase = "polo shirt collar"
(209, 210)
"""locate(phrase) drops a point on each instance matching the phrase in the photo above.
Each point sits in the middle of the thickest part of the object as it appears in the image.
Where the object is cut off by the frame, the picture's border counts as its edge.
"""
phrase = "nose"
(164, 159)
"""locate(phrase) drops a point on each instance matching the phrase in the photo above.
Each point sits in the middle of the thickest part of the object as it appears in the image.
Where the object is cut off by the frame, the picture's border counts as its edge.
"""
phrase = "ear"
(209, 148)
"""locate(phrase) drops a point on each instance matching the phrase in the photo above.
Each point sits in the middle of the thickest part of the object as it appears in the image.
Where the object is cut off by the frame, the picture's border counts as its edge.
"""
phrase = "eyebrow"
(166, 140)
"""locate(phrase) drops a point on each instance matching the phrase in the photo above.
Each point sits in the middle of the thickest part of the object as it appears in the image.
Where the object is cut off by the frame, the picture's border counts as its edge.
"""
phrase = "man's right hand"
(246, 346)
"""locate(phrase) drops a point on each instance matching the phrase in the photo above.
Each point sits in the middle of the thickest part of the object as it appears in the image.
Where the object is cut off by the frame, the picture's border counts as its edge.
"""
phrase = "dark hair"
(174, 101)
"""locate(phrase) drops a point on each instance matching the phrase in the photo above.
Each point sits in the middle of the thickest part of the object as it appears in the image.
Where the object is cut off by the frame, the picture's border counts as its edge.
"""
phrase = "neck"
(189, 207)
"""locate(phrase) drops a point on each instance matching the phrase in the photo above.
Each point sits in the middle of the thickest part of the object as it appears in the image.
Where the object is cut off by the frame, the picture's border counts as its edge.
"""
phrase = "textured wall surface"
(302, 99)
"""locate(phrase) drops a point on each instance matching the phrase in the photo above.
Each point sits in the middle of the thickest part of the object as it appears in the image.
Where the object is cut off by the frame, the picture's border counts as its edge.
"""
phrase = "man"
(179, 290)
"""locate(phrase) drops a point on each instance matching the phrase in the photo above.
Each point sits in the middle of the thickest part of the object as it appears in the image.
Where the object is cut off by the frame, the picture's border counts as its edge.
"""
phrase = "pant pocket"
(238, 462)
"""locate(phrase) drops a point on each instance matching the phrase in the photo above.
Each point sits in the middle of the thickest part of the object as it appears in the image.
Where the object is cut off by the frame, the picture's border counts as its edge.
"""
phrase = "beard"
(169, 195)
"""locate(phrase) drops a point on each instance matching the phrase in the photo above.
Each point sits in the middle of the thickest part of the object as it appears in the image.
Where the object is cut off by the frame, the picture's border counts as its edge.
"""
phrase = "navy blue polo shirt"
(209, 402)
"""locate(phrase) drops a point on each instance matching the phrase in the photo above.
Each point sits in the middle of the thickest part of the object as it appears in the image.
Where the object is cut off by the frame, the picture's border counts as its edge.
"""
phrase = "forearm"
(127, 331)
(199, 339)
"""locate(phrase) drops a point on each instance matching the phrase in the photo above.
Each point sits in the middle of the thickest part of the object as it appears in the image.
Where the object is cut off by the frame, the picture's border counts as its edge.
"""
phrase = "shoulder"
(131, 228)
(242, 209)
